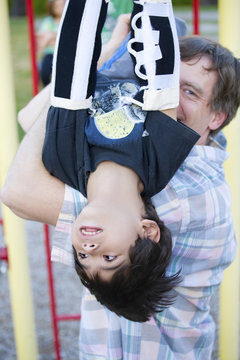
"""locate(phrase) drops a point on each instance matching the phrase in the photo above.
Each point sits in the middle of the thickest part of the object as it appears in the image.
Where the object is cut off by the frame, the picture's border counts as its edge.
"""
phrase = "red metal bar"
(52, 292)
(4, 254)
(30, 17)
(3, 250)
(196, 17)
(68, 317)
(55, 318)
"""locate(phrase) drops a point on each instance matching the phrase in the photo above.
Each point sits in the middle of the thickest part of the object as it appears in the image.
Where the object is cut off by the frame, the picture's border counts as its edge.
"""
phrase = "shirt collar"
(215, 150)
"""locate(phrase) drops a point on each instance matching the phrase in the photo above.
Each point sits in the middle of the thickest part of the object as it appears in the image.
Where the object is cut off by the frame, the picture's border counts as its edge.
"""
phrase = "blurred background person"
(46, 37)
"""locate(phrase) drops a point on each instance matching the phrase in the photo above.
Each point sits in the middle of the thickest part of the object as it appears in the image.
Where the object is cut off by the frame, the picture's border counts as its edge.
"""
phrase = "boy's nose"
(89, 247)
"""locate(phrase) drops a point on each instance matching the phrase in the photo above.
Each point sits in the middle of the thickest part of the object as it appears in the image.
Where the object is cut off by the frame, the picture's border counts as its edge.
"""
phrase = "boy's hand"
(119, 33)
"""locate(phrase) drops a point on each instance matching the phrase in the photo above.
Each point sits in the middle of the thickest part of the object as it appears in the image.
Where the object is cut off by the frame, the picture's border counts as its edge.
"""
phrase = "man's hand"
(30, 191)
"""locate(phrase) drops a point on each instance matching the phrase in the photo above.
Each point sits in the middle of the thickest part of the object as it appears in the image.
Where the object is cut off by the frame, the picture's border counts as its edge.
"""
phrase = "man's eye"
(189, 92)
(82, 256)
(109, 257)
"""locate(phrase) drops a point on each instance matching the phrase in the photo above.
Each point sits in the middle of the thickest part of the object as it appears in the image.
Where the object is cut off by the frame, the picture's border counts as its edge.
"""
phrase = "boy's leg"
(155, 52)
(76, 54)
(77, 50)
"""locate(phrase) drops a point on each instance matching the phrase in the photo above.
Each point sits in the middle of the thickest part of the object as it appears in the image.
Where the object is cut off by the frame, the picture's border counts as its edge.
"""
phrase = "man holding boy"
(118, 153)
(195, 205)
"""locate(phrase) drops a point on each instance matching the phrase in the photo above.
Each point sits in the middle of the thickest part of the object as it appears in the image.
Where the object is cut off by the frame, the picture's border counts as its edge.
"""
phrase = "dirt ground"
(68, 297)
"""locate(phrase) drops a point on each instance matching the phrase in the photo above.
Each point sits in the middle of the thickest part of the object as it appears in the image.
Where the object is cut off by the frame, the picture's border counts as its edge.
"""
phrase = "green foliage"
(177, 3)
(21, 63)
(182, 3)
(40, 7)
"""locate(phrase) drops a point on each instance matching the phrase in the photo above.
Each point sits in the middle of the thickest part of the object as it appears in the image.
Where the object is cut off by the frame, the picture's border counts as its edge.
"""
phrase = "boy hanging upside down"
(118, 149)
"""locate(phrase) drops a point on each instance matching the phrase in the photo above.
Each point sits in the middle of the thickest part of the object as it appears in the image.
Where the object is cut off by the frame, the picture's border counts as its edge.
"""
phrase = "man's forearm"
(37, 107)
(30, 191)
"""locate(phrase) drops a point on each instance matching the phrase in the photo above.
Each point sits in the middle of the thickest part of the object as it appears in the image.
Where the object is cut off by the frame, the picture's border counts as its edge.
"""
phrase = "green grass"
(204, 8)
(21, 63)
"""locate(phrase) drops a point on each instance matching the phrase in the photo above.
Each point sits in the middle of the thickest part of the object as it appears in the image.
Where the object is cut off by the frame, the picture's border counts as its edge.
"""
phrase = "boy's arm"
(120, 31)
(30, 191)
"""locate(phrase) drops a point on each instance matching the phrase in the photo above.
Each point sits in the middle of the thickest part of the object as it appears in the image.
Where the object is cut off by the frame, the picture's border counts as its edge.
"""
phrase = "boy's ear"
(151, 230)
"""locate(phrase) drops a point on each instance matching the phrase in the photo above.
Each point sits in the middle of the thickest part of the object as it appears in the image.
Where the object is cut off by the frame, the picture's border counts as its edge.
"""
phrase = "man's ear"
(151, 230)
(217, 120)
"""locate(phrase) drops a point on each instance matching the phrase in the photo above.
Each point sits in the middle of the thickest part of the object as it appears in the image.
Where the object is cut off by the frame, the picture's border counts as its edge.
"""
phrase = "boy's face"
(102, 236)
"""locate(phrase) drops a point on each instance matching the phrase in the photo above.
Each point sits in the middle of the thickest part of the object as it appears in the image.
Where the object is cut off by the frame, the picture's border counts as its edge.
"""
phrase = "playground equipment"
(23, 318)
(18, 274)
(3, 254)
(55, 317)
(229, 300)
(196, 17)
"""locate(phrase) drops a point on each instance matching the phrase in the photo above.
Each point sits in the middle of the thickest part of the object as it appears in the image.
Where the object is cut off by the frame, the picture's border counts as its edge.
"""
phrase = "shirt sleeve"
(72, 205)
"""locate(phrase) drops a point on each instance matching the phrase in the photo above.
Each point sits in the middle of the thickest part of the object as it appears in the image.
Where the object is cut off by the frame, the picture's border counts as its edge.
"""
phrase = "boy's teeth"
(90, 232)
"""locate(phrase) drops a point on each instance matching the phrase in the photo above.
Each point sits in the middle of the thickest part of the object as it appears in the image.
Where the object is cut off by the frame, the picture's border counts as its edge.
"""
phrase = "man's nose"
(89, 246)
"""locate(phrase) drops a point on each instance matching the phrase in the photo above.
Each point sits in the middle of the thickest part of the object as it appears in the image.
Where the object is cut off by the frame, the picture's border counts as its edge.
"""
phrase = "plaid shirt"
(196, 206)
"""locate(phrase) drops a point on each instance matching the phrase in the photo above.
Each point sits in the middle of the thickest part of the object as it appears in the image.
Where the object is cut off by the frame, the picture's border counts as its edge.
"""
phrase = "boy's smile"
(89, 231)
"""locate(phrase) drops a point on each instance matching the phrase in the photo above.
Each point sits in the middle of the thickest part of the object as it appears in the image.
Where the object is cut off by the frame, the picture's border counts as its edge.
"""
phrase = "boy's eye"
(83, 256)
(109, 257)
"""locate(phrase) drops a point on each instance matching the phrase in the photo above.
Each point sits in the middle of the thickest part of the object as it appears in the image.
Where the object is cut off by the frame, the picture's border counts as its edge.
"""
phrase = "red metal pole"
(3, 250)
(30, 17)
(55, 318)
(3, 254)
(68, 317)
(52, 292)
(196, 17)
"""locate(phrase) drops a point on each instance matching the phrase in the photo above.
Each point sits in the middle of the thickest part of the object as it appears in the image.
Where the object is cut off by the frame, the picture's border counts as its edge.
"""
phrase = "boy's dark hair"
(226, 92)
(141, 288)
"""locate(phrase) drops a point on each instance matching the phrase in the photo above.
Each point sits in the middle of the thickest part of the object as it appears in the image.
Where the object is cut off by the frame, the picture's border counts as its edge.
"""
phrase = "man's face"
(196, 88)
